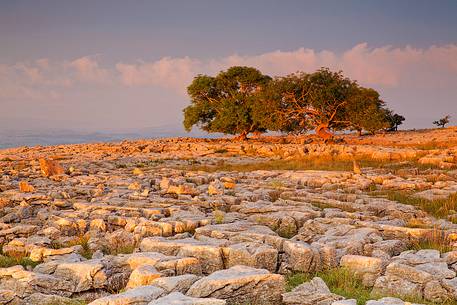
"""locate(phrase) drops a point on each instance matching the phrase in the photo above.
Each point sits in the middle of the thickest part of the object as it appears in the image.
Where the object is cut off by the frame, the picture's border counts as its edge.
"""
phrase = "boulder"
(251, 254)
(314, 292)
(50, 167)
(240, 285)
(177, 298)
(180, 283)
(137, 296)
(142, 276)
(365, 267)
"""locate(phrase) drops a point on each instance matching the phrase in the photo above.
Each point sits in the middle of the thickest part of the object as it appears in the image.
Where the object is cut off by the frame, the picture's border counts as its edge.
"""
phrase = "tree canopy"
(224, 103)
(242, 100)
(443, 121)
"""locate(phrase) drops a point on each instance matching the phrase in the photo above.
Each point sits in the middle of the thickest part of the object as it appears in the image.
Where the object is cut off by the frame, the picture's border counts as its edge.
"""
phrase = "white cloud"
(88, 70)
(385, 67)
(172, 73)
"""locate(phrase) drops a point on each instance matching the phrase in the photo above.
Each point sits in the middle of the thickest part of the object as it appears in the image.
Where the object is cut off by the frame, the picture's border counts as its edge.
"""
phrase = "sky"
(122, 66)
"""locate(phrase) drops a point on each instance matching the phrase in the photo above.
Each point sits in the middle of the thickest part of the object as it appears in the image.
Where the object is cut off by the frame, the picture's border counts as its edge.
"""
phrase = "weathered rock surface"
(314, 292)
(240, 284)
(135, 223)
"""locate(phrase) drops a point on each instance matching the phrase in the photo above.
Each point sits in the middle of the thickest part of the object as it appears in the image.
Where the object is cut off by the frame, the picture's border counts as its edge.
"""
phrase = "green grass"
(120, 249)
(440, 208)
(309, 163)
(82, 241)
(8, 261)
(219, 216)
(343, 282)
(435, 239)
(339, 280)
(221, 151)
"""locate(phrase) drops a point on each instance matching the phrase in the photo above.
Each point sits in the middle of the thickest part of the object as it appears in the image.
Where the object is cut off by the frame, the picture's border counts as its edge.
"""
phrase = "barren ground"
(267, 221)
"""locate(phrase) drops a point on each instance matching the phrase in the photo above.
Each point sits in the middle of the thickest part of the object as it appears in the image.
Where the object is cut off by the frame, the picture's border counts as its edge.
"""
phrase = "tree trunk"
(256, 134)
(323, 132)
(359, 132)
(242, 137)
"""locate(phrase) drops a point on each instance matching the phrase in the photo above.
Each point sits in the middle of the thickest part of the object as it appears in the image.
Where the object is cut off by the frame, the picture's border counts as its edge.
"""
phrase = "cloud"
(172, 73)
(88, 70)
(382, 67)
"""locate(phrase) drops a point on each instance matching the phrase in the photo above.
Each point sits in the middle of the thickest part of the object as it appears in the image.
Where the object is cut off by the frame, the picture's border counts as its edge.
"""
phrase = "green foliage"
(343, 282)
(393, 119)
(8, 261)
(339, 280)
(242, 100)
(324, 99)
(442, 122)
(439, 208)
(224, 103)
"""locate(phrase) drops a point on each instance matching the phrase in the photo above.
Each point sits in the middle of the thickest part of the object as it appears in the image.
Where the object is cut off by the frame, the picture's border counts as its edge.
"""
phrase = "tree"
(393, 119)
(224, 103)
(323, 101)
(443, 121)
(365, 111)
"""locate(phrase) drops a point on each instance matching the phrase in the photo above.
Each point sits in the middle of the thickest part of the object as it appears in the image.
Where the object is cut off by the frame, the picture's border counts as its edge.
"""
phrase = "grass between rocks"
(321, 163)
(343, 282)
(435, 239)
(8, 261)
(440, 208)
(13, 260)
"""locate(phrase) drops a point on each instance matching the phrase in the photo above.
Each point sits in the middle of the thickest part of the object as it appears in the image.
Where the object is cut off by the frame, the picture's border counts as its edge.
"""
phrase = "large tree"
(323, 101)
(225, 103)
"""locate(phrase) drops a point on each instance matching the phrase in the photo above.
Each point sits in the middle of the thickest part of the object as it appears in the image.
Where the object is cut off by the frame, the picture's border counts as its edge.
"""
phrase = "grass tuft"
(343, 282)
(440, 208)
(340, 281)
(435, 239)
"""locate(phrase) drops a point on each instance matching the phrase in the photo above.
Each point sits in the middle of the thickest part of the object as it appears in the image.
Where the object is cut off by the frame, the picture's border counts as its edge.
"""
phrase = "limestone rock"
(50, 167)
(177, 298)
(241, 284)
(314, 292)
(138, 296)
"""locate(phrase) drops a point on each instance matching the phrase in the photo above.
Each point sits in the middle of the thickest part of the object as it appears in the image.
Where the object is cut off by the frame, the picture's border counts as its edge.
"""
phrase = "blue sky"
(124, 65)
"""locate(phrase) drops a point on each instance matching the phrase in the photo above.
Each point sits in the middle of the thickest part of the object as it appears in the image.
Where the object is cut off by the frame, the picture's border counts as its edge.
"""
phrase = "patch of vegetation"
(277, 184)
(120, 249)
(339, 280)
(327, 163)
(81, 240)
(219, 216)
(435, 239)
(274, 195)
(221, 151)
(8, 261)
(343, 282)
(440, 208)
(417, 223)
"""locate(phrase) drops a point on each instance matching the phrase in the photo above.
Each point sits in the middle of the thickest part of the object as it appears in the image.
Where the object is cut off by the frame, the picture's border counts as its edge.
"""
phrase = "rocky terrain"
(187, 221)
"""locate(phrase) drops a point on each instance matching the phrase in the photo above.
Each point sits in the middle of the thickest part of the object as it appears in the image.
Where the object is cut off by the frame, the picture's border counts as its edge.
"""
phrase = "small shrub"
(219, 216)
(9, 261)
(343, 282)
(82, 240)
(440, 208)
(221, 151)
(435, 239)
(339, 280)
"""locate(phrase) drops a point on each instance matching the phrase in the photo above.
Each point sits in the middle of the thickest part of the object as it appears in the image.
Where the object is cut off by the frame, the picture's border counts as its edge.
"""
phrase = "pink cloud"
(88, 70)
(167, 72)
(382, 67)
